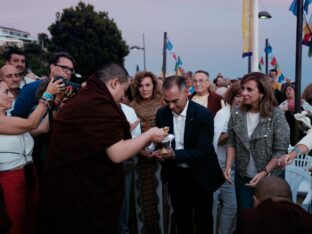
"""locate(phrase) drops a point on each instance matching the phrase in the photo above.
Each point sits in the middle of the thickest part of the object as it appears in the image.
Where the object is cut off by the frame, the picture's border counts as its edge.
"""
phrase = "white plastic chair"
(295, 176)
(303, 161)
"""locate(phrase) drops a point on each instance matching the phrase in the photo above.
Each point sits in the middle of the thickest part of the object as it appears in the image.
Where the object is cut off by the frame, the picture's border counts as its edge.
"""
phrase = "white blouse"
(15, 150)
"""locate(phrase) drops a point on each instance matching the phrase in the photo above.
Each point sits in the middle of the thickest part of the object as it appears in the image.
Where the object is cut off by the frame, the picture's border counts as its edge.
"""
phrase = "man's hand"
(162, 156)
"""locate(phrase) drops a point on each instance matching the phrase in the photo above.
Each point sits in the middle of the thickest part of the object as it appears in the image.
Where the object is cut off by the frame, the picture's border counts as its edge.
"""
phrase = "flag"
(293, 7)
(169, 45)
(261, 63)
(307, 38)
(178, 61)
(247, 27)
(268, 49)
(306, 5)
(273, 61)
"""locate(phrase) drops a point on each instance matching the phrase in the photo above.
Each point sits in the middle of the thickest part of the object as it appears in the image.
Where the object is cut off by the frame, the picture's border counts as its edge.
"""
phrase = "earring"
(261, 97)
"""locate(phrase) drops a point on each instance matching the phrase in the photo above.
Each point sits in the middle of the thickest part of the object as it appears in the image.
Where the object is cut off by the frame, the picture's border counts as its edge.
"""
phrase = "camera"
(67, 83)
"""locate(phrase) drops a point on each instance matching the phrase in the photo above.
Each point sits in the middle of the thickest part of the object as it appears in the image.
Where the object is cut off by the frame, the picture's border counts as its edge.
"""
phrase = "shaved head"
(272, 187)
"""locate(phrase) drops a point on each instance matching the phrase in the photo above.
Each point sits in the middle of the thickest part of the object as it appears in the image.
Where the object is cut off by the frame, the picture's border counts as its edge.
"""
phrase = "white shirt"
(252, 122)
(178, 129)
(15, 150)
(221, 121)
(201, 100)
(131, 117)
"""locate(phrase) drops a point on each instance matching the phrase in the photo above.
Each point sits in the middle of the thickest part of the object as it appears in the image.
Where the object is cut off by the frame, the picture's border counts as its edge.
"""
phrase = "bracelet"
(297, 150)
(47, 96)
(45, 103)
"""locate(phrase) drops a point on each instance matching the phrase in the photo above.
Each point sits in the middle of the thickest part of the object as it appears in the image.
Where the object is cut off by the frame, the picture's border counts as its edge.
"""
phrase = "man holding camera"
(61, 65)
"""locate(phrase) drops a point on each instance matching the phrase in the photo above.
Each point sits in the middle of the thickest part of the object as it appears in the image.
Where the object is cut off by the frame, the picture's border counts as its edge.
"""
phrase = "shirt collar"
(183, 113)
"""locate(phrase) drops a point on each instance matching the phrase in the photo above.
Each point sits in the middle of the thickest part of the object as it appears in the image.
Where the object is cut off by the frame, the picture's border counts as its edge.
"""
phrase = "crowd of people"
(96, 157)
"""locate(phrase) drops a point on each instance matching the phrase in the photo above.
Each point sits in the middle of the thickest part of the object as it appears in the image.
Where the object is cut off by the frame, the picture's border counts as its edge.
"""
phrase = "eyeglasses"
(10, 76)
(66, 69)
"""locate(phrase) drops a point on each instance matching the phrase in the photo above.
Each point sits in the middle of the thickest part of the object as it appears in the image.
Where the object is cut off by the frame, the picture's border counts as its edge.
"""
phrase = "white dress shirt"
(178, 129)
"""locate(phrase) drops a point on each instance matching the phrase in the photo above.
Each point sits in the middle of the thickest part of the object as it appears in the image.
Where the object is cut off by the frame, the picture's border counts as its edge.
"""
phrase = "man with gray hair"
(83, 184)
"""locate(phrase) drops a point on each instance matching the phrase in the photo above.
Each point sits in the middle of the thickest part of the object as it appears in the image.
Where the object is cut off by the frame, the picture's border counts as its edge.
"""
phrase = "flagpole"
(298, 56)
(164, 56)
(144, 55)
(298, 63)
(266, 57)
(255, 44)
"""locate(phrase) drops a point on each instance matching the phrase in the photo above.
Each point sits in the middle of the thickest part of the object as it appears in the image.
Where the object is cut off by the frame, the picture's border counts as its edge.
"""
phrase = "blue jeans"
(227, 194)
(244, 194)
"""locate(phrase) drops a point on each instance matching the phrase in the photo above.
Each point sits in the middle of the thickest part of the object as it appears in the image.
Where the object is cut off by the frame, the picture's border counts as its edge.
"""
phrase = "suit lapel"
(189, 121)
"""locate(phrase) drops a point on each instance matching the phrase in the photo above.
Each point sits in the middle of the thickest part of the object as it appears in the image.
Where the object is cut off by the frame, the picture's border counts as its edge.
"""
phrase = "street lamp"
(135, 47)
(264, 15)
(255, 44)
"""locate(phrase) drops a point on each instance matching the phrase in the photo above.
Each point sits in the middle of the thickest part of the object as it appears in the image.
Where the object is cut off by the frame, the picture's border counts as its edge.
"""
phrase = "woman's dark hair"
(137, 82)
(285, 86)
(232, 91)
(268, 101)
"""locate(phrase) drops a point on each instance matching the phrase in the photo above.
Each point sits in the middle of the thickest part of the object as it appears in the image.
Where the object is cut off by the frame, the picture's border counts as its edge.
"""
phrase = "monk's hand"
(156, 134)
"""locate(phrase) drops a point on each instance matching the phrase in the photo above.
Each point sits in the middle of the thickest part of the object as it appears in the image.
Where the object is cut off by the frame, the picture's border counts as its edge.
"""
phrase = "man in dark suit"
(191, 166)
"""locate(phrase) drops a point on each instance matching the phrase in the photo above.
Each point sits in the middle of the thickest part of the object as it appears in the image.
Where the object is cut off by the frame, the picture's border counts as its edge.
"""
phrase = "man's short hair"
(112, 70)
(271, 187)
(202, 71)
(7, 54)
(56, 57)
(171, 81)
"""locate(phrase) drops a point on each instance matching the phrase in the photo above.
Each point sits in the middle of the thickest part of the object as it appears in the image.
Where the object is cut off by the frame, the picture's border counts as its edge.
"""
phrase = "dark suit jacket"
(198, 149)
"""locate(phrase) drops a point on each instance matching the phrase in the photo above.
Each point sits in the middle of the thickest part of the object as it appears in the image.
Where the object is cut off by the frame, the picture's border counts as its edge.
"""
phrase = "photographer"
(61, 64)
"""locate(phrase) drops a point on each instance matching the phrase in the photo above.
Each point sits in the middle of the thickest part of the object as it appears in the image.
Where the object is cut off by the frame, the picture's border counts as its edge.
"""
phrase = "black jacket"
(198, 150)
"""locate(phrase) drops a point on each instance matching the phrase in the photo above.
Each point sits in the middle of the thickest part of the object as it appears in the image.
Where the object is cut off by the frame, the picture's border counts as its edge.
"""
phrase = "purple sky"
(205, 34)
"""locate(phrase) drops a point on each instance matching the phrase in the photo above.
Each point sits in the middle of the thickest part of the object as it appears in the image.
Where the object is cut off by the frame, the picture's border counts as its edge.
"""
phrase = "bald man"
(11, 76)
(274, 211)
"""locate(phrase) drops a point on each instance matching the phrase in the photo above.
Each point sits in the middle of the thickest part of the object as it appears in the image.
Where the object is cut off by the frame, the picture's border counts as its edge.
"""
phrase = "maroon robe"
(82, 188)
(271, 217)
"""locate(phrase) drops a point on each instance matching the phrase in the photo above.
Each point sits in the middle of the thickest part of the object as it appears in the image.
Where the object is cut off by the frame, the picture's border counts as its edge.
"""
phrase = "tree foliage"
(37, 59)
(92, 38)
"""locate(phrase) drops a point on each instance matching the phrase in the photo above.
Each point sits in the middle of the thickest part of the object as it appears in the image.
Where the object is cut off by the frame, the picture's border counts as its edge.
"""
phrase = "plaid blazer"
(269, 139)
